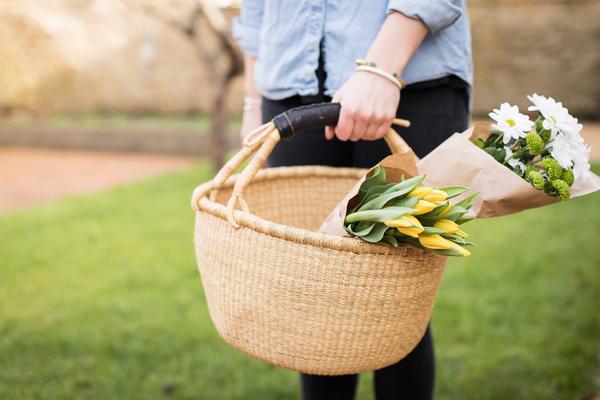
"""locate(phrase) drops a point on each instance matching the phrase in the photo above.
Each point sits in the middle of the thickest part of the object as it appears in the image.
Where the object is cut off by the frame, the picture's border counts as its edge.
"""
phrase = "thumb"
(330, 130)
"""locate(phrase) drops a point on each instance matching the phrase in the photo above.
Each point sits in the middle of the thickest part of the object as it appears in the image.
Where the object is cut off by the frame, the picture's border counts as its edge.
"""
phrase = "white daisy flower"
(561, 151)
(510, 122)
(580, 154)
(556, 117)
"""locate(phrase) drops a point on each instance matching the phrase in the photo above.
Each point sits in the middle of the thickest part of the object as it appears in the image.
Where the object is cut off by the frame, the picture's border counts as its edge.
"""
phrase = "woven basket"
(292, 297)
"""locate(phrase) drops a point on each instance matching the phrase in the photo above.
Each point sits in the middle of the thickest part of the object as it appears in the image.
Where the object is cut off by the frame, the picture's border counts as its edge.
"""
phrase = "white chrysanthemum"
(571, 152)
(561, 150)
(510, 122)
(580, 154)
(513, 162)
(556, 117)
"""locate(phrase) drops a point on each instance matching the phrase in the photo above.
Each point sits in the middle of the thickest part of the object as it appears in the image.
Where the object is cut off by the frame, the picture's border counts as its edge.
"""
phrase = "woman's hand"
(369, 104)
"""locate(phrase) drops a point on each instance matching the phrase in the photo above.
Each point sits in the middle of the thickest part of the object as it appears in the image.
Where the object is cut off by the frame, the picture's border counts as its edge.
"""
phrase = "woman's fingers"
(359, 131)
(329, 132)
(371, 132)
(382, 130)
(346, 124)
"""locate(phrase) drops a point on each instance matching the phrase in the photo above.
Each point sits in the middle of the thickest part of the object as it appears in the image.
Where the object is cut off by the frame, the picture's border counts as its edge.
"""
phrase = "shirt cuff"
(247, 37)
(435, 14)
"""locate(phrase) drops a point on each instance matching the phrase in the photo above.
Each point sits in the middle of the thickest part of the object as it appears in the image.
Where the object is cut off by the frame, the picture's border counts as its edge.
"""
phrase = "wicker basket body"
(290, 296)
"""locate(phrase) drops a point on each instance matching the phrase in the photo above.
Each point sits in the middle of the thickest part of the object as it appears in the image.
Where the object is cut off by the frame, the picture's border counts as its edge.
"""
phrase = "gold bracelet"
(369, 66)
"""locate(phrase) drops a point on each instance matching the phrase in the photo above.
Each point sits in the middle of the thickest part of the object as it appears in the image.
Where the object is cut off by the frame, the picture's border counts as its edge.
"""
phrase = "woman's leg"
(412, 377)
(341, 387)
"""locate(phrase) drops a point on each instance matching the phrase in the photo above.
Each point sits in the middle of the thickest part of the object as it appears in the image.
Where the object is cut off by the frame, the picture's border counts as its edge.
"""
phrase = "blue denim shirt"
(285, 36)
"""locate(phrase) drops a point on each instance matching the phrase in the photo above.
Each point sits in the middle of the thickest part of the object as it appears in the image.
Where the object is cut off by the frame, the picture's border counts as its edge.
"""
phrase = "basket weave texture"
(292, 297)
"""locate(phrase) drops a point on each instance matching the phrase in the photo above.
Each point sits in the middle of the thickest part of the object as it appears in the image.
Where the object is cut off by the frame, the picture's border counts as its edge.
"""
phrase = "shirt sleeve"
(435, 14)
(246, 28)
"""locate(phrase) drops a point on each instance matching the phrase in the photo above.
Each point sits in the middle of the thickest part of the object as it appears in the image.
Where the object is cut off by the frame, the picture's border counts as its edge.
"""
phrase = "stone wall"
(547, 46)
(97, 55)
(106, 55)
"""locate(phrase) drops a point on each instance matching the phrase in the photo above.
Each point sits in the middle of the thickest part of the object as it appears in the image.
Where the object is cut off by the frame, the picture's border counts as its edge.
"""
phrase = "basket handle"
(262, 141)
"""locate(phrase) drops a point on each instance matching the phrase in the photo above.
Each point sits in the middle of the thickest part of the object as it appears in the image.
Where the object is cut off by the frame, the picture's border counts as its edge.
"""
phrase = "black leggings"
(436, 109)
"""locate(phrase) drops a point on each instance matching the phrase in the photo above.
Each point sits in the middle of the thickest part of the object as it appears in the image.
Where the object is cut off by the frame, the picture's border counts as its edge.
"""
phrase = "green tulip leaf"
(373, 192)
(464, 219)
(454, 191)
(409, 202)
(361, 229)
(428, 230)
(376, 233)
(454, 238)
(455, 212)
(447, 252)
(390, 240)
(385, 214)
(468, 201)
(399, 190)
(376, 178)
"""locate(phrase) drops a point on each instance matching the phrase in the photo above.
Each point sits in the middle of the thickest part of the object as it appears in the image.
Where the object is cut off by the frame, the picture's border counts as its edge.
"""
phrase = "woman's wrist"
(372, 68)
(252, 103)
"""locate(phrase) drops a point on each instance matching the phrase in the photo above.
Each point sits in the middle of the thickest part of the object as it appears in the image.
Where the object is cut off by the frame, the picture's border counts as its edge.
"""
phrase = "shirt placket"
(316, 19)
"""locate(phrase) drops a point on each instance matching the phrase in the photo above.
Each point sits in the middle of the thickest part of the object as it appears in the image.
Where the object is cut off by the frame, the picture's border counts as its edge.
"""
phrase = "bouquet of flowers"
(516, 163)
(406, 211)
(390, 205)
(549, 152)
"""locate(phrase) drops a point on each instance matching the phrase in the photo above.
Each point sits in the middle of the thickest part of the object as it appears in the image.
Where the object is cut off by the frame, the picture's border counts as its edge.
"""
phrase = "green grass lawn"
(100, 299)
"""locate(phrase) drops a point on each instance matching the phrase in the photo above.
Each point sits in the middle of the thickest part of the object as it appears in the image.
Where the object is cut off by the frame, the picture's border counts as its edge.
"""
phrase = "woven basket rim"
(299, 235)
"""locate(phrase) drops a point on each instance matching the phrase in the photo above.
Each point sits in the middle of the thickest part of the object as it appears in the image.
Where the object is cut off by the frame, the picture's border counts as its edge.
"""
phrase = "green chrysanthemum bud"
(546, 135)
(539, 124)
(568, 176)
(535, 143)
(562, 188)
(553, 168)
(536, 179)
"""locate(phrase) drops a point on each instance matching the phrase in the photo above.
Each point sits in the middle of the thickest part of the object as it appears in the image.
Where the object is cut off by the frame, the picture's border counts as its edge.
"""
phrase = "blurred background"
(112, 111)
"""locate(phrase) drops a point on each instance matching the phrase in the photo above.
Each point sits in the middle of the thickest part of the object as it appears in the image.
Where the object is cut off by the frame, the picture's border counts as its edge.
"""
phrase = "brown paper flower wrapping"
(396, 167)
(458, 161)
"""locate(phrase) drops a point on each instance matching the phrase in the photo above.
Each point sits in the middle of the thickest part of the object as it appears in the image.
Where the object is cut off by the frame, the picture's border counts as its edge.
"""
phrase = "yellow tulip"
(413, 231)
(407, 225)
(435, 241)
(398, 223)
(464, 252)
(420, 192)
(412, 219)
(446, 225)
(462, 234)
(405, 221)
(435, 196)
(450, 227)
(445, 210)
(423, 207)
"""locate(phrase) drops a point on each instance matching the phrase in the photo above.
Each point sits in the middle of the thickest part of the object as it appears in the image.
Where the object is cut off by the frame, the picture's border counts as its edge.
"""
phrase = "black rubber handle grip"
(305, 118)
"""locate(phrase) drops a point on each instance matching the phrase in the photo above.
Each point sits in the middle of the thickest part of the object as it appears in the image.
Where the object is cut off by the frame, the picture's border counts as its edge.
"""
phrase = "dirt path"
(33, 175)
